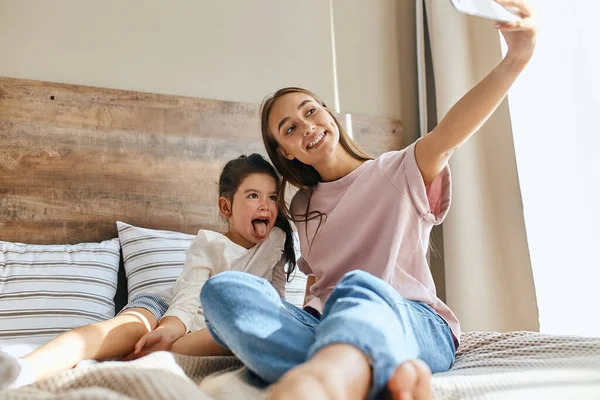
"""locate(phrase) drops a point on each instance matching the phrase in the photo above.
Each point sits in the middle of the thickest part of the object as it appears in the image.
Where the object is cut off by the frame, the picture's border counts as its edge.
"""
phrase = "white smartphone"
(486, 9)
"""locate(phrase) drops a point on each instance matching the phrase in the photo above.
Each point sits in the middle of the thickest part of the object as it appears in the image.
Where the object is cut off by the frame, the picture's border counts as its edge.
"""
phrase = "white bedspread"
(517, 365)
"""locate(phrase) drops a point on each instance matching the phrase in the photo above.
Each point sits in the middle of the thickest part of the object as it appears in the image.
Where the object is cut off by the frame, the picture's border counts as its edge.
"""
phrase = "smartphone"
(486, 9)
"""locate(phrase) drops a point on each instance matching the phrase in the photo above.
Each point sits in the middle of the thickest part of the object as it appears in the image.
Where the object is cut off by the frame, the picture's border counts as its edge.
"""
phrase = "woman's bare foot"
(411, 381)
(337, 372)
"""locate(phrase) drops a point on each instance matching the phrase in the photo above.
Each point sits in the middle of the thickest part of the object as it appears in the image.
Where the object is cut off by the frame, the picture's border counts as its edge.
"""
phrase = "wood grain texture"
(75, 159)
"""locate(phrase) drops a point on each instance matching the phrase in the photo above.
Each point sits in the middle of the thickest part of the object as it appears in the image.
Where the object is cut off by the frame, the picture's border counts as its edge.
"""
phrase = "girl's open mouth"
(260, 227)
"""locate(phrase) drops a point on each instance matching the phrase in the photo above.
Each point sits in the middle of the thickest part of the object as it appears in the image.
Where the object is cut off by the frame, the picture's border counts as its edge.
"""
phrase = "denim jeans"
(150, 301)
(270, 336)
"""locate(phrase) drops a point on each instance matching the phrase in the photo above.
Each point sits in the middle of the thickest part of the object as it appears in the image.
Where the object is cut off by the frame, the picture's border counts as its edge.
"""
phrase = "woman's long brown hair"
(295, 172)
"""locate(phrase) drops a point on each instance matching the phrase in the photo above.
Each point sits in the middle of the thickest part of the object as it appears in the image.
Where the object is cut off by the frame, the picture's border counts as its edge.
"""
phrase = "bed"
(75, 160)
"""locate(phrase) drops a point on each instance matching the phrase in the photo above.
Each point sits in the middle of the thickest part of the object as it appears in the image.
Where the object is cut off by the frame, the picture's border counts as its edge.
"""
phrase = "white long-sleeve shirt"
(211, 253)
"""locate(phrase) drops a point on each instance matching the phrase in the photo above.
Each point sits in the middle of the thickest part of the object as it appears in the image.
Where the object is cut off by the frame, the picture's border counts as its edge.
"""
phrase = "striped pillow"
(48, 289)
(153, 259)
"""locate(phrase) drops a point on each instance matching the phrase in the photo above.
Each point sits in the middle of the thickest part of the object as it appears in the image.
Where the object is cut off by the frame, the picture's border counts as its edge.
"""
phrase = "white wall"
(227, 49)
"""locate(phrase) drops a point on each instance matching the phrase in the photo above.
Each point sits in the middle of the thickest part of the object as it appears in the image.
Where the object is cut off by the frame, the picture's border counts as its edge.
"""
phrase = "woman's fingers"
(523, 8)
(521, 25)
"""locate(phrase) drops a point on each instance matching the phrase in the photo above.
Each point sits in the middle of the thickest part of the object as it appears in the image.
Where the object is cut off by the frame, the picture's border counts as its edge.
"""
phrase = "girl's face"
(254, 210)
(303, 128)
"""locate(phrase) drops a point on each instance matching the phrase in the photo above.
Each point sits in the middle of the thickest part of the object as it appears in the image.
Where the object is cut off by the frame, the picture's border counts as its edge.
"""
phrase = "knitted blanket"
(488, 365)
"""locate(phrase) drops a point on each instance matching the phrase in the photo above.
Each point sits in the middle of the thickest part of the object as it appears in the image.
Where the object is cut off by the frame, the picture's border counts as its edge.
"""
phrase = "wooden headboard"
(75, 159)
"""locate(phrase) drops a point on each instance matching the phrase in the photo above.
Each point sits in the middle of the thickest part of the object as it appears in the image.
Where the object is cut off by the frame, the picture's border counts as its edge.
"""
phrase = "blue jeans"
(270, 336)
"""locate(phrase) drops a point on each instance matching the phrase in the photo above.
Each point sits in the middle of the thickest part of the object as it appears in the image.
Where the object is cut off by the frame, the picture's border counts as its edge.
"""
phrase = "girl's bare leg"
(115, 337)
(199, 343)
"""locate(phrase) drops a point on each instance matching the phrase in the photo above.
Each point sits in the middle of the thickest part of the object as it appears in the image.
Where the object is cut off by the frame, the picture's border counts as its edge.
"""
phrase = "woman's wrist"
(519, 60)
(513, 65)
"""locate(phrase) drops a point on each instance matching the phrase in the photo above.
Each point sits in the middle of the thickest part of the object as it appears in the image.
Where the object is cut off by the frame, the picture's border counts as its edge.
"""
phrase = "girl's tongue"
(260, 228)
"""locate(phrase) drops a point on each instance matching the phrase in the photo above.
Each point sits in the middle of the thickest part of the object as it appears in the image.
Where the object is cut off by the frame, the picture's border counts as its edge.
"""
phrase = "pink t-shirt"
(379, 218)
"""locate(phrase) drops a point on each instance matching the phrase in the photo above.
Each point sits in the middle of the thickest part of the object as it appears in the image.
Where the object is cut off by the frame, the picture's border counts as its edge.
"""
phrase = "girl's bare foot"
(337, 372)
(9, 370)
(14, 373)
(411, 381)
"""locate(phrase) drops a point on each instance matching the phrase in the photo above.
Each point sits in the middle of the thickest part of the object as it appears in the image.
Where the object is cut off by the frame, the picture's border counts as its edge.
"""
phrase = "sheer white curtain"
(486, 259)
(555, 110)
(521, 238)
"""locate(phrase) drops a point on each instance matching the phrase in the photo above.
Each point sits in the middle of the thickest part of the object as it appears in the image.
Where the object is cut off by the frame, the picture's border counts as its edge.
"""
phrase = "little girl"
(259, 242)
(372, 324)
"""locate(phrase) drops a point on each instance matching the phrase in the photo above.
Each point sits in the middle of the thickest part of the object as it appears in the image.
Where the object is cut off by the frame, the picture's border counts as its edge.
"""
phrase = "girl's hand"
(520, 35)
(159, 339)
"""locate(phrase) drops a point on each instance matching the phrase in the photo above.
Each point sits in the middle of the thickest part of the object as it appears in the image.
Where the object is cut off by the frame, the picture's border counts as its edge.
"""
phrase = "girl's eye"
(273, 198)
(290, 129)
(311, 112)
(253, 196)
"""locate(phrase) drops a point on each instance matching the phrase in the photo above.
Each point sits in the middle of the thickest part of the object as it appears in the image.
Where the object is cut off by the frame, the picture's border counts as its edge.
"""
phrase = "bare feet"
(337, 372)
(411, 381)
(342, 372)
(14, 372)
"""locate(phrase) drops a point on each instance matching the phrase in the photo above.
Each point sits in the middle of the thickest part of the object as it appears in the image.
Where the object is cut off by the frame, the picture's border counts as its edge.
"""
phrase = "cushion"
(48, 289)
(154, 258)
(294, 290)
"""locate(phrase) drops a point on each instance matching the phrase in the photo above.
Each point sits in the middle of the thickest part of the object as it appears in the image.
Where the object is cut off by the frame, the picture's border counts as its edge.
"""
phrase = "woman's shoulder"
(395, 155)
(300, 201)
(396, 160)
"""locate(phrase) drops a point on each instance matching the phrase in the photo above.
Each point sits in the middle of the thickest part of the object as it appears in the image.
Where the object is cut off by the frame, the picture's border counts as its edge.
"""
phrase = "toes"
(404, 380)
(423, 389)
(411, 381)
(404, 396)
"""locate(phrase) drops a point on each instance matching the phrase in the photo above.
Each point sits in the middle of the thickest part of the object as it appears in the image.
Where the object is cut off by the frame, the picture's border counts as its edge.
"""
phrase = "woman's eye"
(253, 196)
(310, 112)
(290, 129)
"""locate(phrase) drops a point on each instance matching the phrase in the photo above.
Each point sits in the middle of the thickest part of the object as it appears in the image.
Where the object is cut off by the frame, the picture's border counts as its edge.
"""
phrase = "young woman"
(372, 324)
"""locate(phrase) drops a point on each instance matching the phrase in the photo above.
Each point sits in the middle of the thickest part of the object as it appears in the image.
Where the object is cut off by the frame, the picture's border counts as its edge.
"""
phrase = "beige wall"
(236, 50)
(375, 44)
(227, 49)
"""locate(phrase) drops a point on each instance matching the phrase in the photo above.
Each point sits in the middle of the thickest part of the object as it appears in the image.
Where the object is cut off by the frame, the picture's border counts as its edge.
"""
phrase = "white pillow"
(153, 259)
(294, 290)
(48, 289)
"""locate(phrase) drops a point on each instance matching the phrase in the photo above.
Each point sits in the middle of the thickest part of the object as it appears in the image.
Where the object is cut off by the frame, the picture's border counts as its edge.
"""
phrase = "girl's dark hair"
(232, 176)
(296, 172)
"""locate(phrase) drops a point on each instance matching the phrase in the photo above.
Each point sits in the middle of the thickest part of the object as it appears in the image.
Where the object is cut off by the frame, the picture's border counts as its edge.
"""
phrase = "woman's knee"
(362, 284)
(362, 279)
(229, 288)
